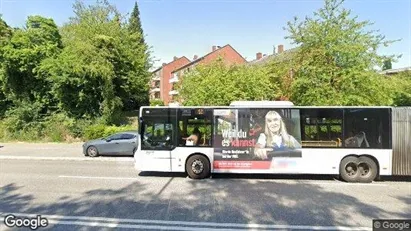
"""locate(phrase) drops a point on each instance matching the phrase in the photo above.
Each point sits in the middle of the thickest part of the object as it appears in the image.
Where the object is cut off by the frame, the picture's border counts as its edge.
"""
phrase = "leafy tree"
(281, 72)
(401, 88)
(102, 69)
(5, 32)
(5, 35)
(219, 84)
(141, 51)
(135, 23)
(21, 57)
(336, 57)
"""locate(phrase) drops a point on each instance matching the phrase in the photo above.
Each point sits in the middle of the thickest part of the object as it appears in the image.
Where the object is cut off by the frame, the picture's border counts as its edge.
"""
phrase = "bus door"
(158, 138)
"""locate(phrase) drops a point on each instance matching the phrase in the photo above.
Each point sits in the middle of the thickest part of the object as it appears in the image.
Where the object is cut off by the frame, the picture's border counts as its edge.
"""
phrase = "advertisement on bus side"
(257, 138)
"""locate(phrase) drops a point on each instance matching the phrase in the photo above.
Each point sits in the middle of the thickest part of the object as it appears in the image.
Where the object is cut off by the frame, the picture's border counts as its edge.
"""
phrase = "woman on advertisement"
(275, 137)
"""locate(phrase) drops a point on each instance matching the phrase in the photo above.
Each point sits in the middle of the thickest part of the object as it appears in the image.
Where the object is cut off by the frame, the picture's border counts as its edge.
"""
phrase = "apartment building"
(229, 55)
(160, 85)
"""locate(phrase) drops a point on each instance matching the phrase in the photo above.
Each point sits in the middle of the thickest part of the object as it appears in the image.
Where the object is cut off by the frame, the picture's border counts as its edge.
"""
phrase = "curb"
(122, 159)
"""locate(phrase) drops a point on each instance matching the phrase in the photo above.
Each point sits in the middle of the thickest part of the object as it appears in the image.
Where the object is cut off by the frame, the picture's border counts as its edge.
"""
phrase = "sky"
(192, 27)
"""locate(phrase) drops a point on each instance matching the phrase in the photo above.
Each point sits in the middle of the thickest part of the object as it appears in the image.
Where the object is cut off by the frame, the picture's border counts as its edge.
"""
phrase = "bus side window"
(367, 128)
(322, 127)
(191, 119)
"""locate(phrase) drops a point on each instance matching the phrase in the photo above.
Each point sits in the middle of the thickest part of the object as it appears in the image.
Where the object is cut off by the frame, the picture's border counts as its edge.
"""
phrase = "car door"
(111, 146)
(126, 144)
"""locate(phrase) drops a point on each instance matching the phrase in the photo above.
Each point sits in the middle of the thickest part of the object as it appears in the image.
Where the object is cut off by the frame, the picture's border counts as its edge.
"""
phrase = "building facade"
(228, 54)
(160, 85)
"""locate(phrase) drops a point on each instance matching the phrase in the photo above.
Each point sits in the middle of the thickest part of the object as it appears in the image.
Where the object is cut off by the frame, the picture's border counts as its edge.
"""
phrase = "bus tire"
(198, 167)
(349, 169)
(367, 169)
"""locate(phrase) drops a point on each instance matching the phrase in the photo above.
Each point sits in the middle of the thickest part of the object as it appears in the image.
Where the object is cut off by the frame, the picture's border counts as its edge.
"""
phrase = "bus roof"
(267, 106)
(262, 103)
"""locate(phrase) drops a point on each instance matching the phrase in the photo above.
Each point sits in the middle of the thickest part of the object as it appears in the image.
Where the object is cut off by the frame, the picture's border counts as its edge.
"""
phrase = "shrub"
(156, 102)
(100, 130)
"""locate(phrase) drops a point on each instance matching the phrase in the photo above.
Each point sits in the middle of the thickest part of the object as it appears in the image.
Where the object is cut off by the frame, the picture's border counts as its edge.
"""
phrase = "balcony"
(156, 89)
(174, 80)
(173, 92)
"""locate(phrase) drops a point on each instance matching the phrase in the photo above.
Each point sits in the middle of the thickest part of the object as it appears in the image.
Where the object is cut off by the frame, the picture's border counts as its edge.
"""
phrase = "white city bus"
(358, 143)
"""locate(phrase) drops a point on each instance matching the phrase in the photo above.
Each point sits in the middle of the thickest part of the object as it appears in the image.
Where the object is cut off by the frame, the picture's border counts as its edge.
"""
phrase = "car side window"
(115, 137)
(127, 136)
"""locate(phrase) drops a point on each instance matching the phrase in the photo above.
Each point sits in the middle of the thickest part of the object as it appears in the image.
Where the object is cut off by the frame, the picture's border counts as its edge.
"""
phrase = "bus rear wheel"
(367, 168)
(349, 169)
(198, 167)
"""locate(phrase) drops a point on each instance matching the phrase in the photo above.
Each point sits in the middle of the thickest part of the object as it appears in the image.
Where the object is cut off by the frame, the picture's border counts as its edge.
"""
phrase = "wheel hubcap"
(351, 169)
(197, 166)
(364, 169)
(92, 151)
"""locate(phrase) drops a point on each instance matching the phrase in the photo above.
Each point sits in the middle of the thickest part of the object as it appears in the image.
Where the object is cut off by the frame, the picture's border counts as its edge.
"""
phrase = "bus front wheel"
(198, 167)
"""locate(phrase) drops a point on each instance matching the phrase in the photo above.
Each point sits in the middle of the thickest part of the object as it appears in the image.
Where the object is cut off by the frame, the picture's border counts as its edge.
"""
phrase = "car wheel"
(92, 151)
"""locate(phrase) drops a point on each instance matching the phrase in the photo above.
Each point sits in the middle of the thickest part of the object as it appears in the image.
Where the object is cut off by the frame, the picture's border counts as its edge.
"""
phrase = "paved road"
(42, 149)
(51, 151)
(97, 195)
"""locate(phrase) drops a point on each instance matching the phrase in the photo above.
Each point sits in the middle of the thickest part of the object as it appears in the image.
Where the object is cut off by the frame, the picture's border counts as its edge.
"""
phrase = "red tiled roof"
(205, 56)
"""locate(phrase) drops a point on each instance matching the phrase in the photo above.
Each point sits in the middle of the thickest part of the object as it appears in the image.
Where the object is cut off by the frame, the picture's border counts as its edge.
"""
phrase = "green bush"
(77, 129)
(156, 102)
(100, 130)
(94, 131)
(58, 127)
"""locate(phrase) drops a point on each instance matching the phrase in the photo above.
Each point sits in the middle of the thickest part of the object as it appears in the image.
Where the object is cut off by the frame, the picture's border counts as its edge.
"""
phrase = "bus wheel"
(349, 169)
(198, 167)
(367, 169)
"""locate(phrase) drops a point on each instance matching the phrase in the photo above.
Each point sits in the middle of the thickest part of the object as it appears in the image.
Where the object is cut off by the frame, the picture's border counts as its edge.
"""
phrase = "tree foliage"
(5, 32)
(400, 85)
(103, 68)
(91, 69)
(135, 23)
(219, 84)
(336, 59)
(5, 35)
(22, 56)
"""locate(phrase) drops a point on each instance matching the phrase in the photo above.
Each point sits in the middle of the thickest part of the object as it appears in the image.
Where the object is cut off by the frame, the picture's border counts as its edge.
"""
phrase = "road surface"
(99, 195)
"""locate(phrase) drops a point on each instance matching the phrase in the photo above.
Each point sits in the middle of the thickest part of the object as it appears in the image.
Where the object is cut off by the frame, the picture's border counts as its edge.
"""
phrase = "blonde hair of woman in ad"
(275, 135)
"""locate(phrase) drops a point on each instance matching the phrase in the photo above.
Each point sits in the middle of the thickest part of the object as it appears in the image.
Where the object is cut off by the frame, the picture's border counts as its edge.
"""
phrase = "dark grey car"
(122, 143)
